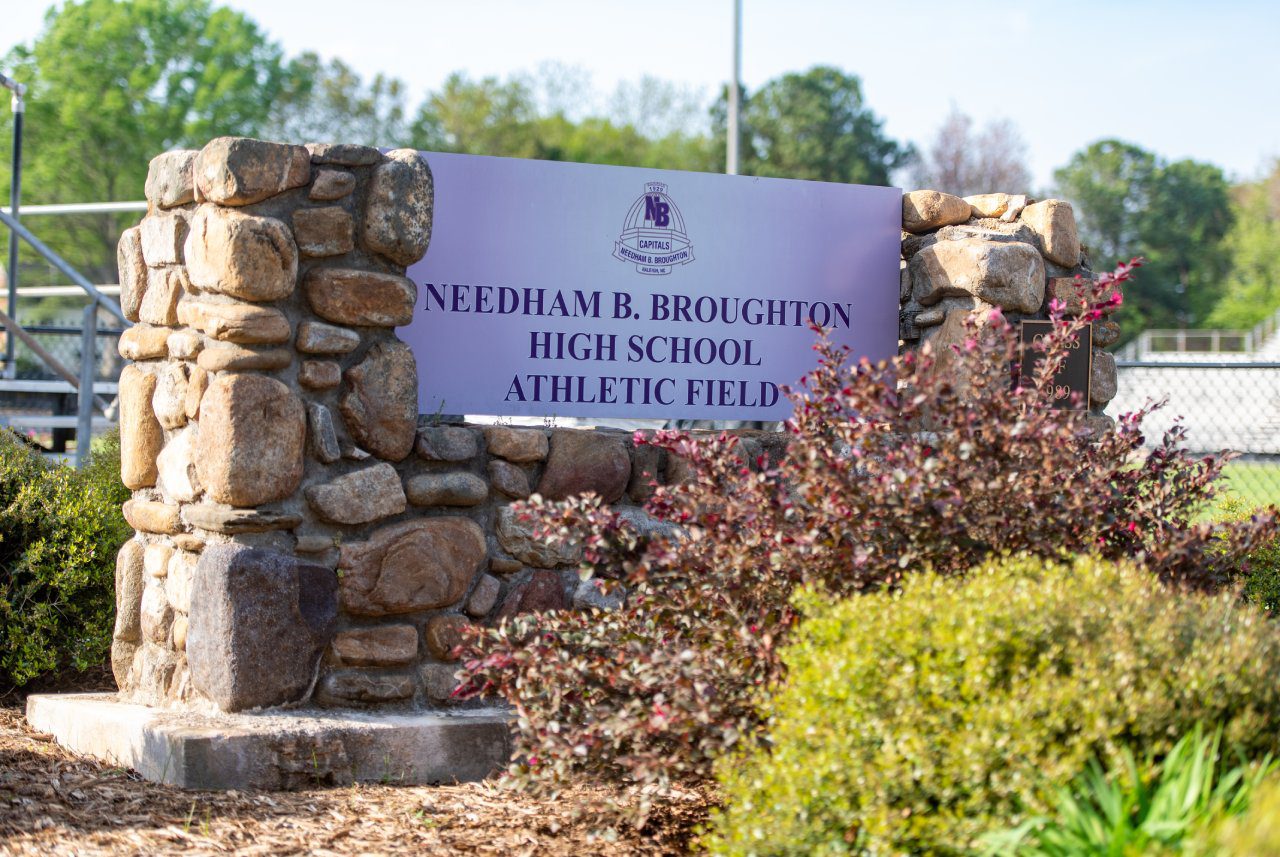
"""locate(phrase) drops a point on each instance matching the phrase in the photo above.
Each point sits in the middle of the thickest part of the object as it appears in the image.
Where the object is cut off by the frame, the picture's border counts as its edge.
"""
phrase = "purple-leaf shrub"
(928, 460)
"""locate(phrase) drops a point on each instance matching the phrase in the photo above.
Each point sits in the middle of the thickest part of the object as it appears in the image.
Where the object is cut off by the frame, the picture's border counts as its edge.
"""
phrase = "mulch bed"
(53, 802)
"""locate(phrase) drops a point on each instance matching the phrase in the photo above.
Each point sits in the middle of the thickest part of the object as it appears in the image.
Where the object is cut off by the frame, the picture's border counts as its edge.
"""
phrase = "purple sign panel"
(576, 290)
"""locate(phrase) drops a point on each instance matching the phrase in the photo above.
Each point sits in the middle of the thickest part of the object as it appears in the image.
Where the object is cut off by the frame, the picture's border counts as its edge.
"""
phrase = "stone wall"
(962, 257)
(303, 534)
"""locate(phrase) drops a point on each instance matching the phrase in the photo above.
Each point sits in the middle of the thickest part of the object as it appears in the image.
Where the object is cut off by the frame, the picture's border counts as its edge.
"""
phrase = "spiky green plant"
(1152, 807)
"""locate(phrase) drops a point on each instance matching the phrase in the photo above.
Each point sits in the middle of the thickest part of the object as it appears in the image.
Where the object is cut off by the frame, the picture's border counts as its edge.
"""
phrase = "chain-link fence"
(1223, 405)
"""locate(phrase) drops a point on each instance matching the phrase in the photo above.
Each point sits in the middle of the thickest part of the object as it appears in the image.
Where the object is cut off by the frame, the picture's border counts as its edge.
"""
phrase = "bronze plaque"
(1073, 375)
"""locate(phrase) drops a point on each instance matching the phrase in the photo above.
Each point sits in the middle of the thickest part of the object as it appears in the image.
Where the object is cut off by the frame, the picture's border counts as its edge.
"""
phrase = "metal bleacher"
(44, 365)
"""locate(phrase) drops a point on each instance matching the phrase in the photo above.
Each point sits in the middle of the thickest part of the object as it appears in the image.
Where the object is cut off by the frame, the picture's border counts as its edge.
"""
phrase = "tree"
(114, 83)
(1182, 232)
(560, 88)
(809, 126)
(1131, 202)
(813, 125)
(484, 117)
(1109, 183)
(1253, 248)
(599, 140)
(660, 108)
(496, 117)
(962, 163)
(328, 101)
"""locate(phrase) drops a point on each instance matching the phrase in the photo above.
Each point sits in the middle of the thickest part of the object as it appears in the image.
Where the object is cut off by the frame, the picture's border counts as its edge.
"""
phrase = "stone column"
(967, 256)
(268, 398)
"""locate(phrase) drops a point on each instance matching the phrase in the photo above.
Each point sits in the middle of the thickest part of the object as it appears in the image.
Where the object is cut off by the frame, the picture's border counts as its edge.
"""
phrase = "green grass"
(1256, 483)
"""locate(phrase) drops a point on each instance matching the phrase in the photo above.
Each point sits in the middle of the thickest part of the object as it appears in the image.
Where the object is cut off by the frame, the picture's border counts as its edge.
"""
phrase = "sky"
(1183, 79)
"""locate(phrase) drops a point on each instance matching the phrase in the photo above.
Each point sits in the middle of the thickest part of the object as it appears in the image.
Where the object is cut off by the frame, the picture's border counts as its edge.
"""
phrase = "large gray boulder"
(241, 170)
(413, 566)
(923, 210)
(242, 255)
(259, 623)
(1054, 223)
(582, 462)
(250, 448)
(398, 214)
(380, 405)
(1007, 274)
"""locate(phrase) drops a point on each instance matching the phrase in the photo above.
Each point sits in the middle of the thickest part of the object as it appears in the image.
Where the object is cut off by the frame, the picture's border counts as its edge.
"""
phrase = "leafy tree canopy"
(328, 100)
(1131, 202)
(1253, 248)
(812, 125)
(113, 83)
(1109, 182)
(518, 118)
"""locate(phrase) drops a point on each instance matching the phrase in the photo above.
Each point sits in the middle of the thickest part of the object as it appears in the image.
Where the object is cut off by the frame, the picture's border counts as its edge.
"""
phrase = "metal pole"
(15, 194)
(735, 108)
(84, 396)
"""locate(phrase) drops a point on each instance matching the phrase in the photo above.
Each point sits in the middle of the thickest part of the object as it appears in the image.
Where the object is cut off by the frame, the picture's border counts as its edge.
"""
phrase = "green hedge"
(914, 722)
(60, 530)
(1260, 579)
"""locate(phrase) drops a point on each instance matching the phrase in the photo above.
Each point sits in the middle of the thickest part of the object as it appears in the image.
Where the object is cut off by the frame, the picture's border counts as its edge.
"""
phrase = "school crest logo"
(653, 235)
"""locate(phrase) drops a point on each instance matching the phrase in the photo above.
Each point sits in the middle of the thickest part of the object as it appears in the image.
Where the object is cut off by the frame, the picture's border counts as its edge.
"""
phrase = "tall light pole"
(731, 150)
(15, 193)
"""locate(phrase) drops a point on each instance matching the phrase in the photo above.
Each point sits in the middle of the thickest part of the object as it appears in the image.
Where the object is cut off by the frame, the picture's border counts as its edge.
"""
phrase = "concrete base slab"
(277, 749)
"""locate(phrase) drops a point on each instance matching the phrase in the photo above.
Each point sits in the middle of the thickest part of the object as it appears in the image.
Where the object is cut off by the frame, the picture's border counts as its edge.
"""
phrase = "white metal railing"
(1266, 329)
(1184, 341)
(80, 208)
(1156, 342)
(64, 291)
